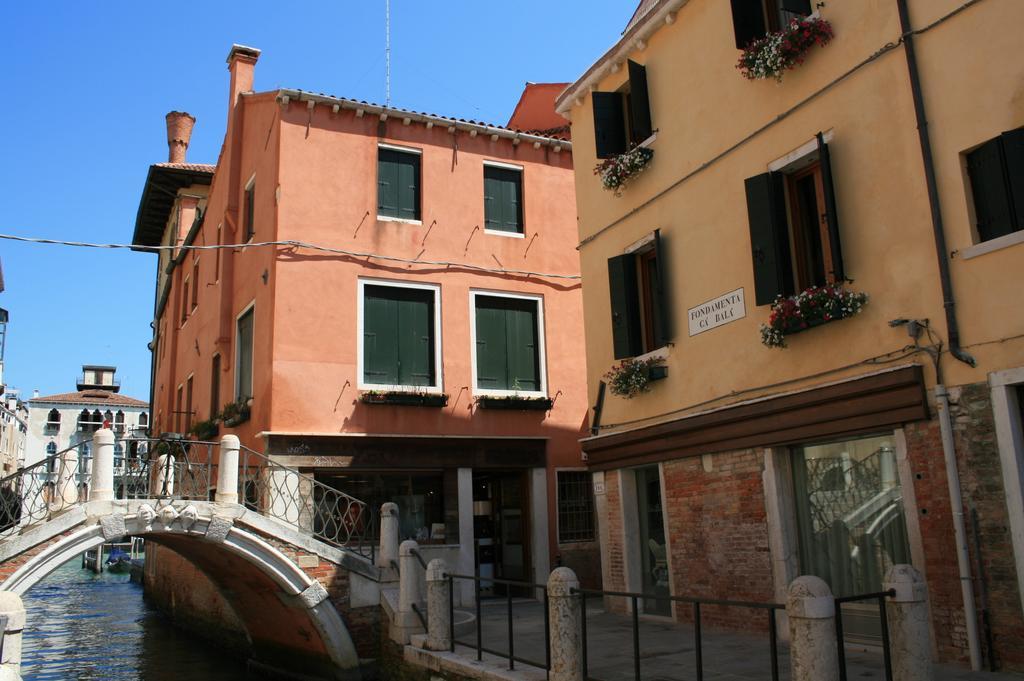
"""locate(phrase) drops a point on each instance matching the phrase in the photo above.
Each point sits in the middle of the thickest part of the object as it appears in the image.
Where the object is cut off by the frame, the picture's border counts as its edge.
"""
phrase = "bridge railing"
(300, 500)
(167, 468)
(38, 492)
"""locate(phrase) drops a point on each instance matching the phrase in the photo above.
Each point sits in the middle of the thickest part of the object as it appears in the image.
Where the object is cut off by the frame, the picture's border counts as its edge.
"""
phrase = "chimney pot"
(179, 132)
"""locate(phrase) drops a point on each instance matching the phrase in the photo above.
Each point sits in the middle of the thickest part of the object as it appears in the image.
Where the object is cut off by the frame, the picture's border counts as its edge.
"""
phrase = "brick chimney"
(179, 132)
(241, 65)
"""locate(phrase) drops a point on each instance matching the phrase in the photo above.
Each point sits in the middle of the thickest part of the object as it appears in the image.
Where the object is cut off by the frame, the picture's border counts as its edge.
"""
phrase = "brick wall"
(584, 558)
(982, 490)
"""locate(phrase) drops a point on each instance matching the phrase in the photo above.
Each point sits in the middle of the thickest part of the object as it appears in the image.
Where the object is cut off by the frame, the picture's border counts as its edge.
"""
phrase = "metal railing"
(168, 468)
(38, 492)
(298, 499)
(840, 637)
(697, 636)
(512, 658)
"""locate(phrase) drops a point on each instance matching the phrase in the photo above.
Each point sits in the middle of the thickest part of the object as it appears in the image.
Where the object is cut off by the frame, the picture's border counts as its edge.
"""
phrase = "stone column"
(12, 608)
(909, 635)
(388, 549)
(101, 487)
(66, 493)
(406, 620)
(811, 608)
(439, 621)
(227, 471)
(164, 475)
(564, 616)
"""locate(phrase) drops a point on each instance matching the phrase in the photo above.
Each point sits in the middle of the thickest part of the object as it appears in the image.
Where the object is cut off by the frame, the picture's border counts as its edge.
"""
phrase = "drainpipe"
(952, 328)
(959, 529)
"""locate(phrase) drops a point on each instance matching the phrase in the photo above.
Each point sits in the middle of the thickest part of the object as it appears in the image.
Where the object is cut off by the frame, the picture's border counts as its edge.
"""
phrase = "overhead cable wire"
(291, 243)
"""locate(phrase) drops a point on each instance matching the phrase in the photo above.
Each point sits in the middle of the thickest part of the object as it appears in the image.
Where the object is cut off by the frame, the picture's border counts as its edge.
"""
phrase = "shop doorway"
(653, 547)
(851, 524)
(501, 531)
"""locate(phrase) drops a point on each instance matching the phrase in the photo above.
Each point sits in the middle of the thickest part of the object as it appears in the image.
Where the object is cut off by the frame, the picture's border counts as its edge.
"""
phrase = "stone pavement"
(667, 648)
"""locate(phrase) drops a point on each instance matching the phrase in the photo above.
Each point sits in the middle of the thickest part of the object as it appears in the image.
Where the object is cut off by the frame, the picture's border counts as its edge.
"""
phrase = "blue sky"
(86, 88)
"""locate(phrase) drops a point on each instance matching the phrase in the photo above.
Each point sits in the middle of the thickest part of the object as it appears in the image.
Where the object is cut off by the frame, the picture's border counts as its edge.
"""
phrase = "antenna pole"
(387, 53)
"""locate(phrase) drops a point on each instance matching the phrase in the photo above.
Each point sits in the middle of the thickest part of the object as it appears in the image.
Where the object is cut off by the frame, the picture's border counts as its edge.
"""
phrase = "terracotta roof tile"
(92, 397)
(195, 167)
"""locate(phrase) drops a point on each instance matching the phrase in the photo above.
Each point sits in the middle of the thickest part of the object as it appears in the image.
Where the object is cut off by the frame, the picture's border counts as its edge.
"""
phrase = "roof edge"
(286, 94)
(660, 14)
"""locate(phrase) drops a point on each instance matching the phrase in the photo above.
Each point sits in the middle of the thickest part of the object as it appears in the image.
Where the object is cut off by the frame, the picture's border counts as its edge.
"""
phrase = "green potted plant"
(777, 52)
(813, 307)
(630, 377)
(403, 398)
(615, 172)
(235, 413)
(206, 430)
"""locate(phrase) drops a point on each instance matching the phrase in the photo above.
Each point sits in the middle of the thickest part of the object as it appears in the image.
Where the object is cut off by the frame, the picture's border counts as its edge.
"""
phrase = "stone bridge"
(310, 609)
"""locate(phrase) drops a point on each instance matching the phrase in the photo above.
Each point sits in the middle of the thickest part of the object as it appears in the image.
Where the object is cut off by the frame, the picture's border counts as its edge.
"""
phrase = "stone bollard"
(812, 630)
(101, 488)
(388, 550)
(66, 493)
(227, 471)
(13, 609)
(564, 616)
(909, 636)
(439, 617)
(163, 483)
(407, 622)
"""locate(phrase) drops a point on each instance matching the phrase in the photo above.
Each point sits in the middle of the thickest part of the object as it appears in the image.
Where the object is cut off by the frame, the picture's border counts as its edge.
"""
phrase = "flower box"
(235, 413)
(777, 52)
(617, 171)
(404, 399)
(515, 402)
(205, 431)
(816, 306)
(631, 377)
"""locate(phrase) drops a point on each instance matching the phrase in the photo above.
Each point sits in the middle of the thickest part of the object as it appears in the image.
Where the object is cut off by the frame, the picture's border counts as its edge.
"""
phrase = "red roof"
(194, 167)
(536, 113)
(642, 9)
(92, 397)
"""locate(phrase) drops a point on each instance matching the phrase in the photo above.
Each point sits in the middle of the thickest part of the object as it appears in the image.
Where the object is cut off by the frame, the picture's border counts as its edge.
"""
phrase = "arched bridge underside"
(291, 623)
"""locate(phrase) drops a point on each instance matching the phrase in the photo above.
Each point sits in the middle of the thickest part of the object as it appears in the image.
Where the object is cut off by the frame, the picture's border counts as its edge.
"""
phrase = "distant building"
(57, 422)
(13, 432)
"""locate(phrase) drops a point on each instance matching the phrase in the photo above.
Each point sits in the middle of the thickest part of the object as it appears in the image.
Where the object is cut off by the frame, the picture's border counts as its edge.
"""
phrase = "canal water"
(83, 626)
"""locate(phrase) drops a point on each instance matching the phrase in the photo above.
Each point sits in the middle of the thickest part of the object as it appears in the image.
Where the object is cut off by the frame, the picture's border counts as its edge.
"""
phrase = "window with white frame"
(400, 336)
(508, 343)
(243, 355)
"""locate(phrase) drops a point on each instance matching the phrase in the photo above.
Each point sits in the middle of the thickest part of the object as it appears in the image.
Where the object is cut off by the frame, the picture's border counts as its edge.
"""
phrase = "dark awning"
(161, 189)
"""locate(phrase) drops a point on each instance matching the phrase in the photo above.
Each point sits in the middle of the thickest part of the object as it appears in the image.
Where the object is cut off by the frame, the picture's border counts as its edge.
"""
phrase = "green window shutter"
(491, 344)
(250, 212)
(503, 199)
(834, 242)
(639, 103)
(387, 183)
(748, 21)
(409, 186)
(625, 305)
(609, 124)
(415, 337)
(243, 355)
(662, 321)
(380, 336)
(992, 207)
(523, 351)
(769, 236)
(1013, 152)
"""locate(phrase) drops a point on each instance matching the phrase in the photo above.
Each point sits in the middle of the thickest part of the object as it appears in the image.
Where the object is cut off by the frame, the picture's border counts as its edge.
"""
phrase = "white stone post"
(101, 487)
(11, 607)
(66, 493)
(564, 616)
(406, 622)
(909, 636)
(388, 550)
(811, 608)
(439, 621)
(227, 471)
(164, 475)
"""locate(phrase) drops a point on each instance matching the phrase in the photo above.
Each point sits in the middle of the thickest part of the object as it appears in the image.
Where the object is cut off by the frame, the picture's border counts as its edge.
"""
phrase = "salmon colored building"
(413, 333)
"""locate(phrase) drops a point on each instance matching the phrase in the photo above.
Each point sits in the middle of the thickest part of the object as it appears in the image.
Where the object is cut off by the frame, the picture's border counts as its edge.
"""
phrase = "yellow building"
(738, 464)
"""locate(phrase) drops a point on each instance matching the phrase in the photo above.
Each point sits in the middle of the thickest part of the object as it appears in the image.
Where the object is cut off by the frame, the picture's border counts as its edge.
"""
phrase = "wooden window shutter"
(609, 124)
(769, 236)
(1013, 153)
(834, 243)
(992, 208)
(409, 186)
(639, 104)
(796, 6)
(491, 345)
(380, 337)
(523, 360)
(748, 21)
(502, 199)
(663, 331)
(627, 338)
(387, 183)
(415, 336)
